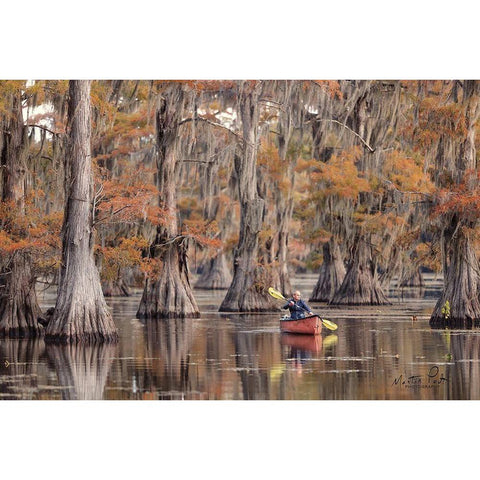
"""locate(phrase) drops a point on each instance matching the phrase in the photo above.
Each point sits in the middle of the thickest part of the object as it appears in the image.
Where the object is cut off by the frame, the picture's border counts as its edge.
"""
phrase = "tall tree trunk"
(248, 291)
(462, 284)
(170, 295)
(360, 285)
(19, 308)
(283, 194)
(216, 273)
(332, 273)
(81, 313)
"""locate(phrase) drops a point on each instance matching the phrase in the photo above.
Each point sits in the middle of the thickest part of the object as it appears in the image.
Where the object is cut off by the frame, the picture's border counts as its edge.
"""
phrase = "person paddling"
(297, 306)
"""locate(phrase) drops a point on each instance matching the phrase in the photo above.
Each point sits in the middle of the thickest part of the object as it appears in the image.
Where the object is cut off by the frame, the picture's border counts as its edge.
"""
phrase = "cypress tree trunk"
(116, 288)
(360, 285)
(462, 286)
(412, 279)
(170, 295)
(216, 274)
(248, 291)
(81, 313)
(332, 273)
(283, 194)
(283, 273)
(19, 308)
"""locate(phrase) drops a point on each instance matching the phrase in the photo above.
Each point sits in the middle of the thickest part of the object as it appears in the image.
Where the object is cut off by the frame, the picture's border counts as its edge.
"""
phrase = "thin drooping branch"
(372, 150)
(41, 127)
(214, 124)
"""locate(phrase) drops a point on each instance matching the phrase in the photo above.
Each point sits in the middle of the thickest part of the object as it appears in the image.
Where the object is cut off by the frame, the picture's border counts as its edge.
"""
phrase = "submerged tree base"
(454, 323)
(19, 308)
(84, 338)
(216, 274)
(115, 288)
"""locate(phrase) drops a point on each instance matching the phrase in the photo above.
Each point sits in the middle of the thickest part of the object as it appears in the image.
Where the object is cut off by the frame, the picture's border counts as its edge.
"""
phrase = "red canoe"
(308, 325)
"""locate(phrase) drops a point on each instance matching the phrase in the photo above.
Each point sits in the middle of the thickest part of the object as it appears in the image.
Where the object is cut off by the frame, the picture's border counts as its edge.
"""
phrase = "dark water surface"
(376, 353)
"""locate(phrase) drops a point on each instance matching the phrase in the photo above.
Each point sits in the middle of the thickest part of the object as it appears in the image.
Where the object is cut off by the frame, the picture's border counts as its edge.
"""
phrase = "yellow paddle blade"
(276, 294)
(330, 325)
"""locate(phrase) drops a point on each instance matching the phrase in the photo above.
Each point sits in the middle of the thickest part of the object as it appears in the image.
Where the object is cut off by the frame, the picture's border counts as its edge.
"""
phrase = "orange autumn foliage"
(32, 232)
(462, 198)
(269, 158)
(407, 173)
(203, 233)
(128, 197)
(127, 254)
(340, 176)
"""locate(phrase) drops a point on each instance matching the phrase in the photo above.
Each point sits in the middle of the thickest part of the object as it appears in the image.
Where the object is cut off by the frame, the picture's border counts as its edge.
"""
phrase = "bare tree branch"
(347, 128)
(43, 128)
(209, 122)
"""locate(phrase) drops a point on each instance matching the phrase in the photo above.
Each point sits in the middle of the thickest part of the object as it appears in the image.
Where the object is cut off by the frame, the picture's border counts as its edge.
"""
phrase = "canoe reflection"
(307, 343)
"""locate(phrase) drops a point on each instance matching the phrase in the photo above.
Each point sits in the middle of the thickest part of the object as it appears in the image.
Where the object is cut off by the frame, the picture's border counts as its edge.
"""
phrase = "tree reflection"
(19, 368)
(168, 344)
(254, 356)
(464, 374)
(82, 369)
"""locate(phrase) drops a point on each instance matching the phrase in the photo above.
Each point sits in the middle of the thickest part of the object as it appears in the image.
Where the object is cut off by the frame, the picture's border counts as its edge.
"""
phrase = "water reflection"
(82, 370)
(20, 361)
(167, 359)
(463, 367)
(303, 343)
(376, 353)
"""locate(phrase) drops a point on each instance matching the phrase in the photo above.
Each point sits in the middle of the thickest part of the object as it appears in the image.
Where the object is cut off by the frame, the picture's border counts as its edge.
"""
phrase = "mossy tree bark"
(19, 308)
(81, 313)
(170, 294)
(248, 291)
(216, 273)
(283, 192)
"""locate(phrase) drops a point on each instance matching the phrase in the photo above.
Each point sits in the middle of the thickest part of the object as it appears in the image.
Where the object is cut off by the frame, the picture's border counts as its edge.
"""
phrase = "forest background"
(246, 182)
(395, 53)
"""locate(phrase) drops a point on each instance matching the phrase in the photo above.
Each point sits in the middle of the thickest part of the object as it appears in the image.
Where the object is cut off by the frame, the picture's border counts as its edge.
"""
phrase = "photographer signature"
(432, 379)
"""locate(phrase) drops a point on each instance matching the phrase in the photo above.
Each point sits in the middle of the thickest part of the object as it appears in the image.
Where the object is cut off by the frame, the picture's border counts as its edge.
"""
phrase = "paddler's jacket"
(298, 310)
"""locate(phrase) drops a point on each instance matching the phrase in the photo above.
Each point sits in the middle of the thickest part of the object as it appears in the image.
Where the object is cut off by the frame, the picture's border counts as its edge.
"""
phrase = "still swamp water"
(377, 353)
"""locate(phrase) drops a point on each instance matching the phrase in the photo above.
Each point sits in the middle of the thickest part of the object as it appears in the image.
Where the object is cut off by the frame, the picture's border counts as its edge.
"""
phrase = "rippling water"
(376, 353)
